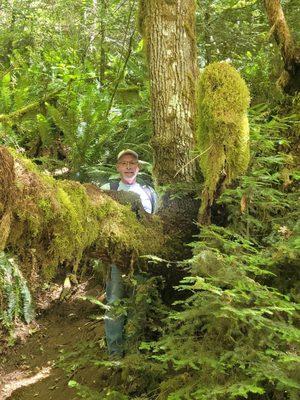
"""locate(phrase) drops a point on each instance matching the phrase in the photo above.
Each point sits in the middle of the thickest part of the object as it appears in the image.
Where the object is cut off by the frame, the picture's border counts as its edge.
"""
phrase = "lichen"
(222, 129)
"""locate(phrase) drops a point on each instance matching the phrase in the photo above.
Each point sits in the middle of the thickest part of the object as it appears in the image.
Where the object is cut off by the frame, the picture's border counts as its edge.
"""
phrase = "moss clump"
(222, 130)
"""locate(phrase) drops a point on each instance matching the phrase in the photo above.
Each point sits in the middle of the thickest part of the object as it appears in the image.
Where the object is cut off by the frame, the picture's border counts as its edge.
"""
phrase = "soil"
(31, 368)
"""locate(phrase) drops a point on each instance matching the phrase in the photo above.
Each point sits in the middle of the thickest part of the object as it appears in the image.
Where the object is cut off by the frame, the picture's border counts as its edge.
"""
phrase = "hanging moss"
(222, 130)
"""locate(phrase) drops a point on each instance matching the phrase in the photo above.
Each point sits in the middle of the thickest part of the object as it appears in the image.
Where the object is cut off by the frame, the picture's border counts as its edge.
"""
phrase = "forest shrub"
(235, 335)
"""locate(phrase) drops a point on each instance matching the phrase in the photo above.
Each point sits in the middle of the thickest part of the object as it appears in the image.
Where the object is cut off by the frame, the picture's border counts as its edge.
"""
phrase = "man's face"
(128, 168)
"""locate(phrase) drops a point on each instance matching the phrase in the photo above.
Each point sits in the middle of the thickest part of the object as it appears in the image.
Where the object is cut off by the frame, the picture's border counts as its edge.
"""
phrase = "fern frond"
(16, 300)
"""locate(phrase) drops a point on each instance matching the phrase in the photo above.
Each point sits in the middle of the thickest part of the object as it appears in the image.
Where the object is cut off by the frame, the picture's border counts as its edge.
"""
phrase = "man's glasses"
(128, 163)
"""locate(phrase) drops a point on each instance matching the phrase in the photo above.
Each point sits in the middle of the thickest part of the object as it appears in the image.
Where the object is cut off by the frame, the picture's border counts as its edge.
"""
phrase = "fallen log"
(15, 115)
(49, 223)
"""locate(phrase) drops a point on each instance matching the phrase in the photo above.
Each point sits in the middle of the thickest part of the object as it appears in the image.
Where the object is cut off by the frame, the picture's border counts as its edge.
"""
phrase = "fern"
(235, 335)
(17, 300)
(5, 94)
(267, 197)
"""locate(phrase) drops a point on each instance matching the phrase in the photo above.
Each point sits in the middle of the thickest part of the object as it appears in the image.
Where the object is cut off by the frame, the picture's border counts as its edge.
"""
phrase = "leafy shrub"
(236, 334)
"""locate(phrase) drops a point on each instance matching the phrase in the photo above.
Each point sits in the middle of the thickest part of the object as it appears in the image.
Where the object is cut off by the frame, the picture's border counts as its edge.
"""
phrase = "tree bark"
(168, 28)
(290, 78)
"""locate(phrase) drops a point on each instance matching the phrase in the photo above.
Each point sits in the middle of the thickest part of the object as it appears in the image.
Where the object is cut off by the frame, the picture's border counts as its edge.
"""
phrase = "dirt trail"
(29, 370)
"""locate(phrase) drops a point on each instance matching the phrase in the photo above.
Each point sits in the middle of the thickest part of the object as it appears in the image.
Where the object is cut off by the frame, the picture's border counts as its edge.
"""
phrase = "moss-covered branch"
(49, 223)
(15, 115)
(290, 78)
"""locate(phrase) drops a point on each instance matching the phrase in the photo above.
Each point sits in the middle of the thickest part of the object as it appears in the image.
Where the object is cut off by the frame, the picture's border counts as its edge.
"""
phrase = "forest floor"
(31, 369)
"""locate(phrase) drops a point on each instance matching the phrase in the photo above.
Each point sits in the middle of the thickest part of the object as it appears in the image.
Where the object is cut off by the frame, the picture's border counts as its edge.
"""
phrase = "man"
(128, 168)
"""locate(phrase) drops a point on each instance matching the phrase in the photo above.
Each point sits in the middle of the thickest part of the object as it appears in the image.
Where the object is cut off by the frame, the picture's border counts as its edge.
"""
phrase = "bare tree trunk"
(168, 28)
(102, 40)
(290, 78)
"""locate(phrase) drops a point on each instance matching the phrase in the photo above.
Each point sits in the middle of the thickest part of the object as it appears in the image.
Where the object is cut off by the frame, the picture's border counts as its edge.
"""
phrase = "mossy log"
(49, 223)
(15, 115)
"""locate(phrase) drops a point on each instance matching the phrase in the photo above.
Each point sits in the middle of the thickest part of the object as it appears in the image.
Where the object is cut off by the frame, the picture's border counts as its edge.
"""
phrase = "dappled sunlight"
(19, 379)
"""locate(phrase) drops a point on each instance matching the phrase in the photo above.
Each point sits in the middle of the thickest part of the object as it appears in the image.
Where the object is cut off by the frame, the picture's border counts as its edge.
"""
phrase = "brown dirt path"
(29, 369)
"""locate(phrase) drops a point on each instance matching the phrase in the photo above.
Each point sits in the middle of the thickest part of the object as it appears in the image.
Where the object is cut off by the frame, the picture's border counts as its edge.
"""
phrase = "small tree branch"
(290, 79)
(121, 72)
(15, 115)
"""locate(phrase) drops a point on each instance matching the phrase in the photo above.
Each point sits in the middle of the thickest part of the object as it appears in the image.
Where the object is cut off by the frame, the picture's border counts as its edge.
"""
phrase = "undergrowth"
(234, 333)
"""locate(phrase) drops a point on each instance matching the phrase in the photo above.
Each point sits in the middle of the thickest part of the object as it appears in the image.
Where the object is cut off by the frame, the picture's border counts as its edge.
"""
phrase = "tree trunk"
(290, 78)
(168, 28)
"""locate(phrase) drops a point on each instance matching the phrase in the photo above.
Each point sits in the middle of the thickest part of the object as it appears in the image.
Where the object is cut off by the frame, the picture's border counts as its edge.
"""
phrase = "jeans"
(114, 319)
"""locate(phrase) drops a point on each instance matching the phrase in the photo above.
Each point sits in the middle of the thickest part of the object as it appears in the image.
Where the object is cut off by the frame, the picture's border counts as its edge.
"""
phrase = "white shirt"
(136, 188)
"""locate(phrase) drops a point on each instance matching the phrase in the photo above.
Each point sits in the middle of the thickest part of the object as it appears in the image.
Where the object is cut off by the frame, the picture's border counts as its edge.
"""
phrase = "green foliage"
(128, 378)
(235, 335)
(223, 132)
(97, 113)
(266, 198)
(239, 334)
(145, 311)
(239, 31)
(15, 297)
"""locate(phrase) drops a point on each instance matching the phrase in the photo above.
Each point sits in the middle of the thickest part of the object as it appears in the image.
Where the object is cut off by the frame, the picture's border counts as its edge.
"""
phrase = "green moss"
(30, 166)
(75, 225)
(222, 129)
(5, 222)
(59, 221)
(46, 208)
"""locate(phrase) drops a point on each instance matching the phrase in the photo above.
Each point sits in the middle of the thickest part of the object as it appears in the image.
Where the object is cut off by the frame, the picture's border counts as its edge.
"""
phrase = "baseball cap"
(127, 151)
